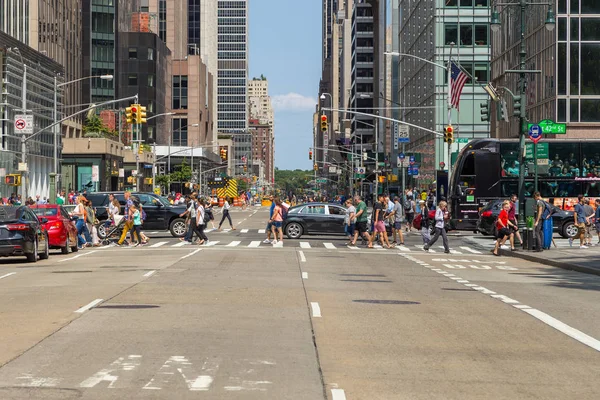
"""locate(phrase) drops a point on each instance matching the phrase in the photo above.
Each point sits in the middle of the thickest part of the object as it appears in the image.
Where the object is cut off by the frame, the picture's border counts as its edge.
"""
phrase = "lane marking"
(234, 243)
(77, 256)
(462, 281)
(505, 299)
(470, 249)
(184, 243)
(338, 394)
(564, 328)
(302, 257)
(403, 248)
(158, 244)
(305, 275)
(244, 231)
(149, 273)
(254, 244)
(226, 230)
(7, 275)
(329, 246)
(316, 310)
(89, 306)
(262, 231)
(211, 243)
(353, 247)
(210, 230)
(420, 247)
(191, 254)
(304, 245)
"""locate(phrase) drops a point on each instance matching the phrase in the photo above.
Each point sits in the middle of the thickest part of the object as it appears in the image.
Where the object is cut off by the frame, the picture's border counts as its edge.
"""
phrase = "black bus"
(488, 169)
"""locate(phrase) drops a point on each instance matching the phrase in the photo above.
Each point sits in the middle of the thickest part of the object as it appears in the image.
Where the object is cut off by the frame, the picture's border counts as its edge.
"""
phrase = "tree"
(295, 181)
(242, 185)
(94, 127)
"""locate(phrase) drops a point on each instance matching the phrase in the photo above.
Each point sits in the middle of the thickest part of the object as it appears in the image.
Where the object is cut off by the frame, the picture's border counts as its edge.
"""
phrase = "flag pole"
(449, 163)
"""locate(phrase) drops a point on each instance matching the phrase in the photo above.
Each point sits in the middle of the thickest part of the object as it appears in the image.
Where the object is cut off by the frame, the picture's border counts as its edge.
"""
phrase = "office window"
(150, 80)
(179, 136)
(150, 54)
(481, 35)
(481, 72)
(180, 92)
(451, 34)
(132, 53)
(150, 132)
(151, 106)
(466, 35)
(132, 80)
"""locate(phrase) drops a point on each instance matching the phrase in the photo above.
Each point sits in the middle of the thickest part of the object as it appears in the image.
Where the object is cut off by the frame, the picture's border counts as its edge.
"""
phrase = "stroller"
(110, 231)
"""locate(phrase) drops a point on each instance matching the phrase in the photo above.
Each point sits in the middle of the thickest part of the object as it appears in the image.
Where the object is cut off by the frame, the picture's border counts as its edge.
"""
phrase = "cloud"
(293, 102)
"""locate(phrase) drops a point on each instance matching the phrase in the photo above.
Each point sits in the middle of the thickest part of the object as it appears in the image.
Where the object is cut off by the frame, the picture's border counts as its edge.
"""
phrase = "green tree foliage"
(242, 185)
(94, 127)
(296, 180)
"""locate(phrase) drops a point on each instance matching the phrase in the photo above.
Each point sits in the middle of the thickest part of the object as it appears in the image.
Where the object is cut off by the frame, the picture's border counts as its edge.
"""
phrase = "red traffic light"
(449, 129)
(133, 109)
(324, 118)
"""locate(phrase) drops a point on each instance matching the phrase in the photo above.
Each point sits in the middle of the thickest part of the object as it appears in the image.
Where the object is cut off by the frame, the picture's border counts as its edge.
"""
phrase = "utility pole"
(376, 159)
(25, 174)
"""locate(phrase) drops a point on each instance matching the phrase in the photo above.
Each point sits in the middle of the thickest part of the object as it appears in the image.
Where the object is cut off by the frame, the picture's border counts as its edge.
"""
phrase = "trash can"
(547, 230)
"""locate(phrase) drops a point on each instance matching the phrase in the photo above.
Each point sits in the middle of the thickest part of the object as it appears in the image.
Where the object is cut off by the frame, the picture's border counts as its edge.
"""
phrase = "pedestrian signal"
(13, 180)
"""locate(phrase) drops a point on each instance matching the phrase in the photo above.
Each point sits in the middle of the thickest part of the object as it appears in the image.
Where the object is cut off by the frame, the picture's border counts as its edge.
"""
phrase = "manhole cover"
(386, 302)
(129, 306)
(69, 272)
(365, 280)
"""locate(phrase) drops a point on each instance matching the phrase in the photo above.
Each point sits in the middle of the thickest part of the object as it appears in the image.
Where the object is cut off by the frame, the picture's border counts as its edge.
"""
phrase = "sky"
(285, 46)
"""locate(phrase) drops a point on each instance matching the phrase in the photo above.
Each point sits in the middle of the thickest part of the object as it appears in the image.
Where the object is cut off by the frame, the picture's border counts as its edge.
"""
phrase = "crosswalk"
(254, 244)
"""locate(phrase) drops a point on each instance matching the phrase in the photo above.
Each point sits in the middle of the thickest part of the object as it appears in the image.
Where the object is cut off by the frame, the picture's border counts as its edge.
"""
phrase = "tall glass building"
(232, 82)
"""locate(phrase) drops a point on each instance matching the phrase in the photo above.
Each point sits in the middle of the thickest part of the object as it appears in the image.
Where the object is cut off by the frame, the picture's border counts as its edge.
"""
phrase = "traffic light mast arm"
(25, 139)
(346, 152)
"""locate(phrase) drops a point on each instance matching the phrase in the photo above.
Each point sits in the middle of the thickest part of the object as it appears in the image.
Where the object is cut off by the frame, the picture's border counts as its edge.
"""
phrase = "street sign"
(535, 133)
(360, 170)
(401, 156)
(462, 140)
(550, 127)
(321, 180)
(22, 167)
(542, 151)
(24, 124)
(411, 160)
(403, 136)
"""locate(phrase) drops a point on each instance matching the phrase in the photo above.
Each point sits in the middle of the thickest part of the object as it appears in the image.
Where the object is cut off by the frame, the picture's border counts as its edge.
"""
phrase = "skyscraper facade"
(232, 81)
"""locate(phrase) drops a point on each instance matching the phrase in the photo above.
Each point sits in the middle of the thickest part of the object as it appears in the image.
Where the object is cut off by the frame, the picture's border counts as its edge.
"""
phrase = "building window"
(132, 53)
(151, 106)
(451, 34)
(150, 132)
(179, 133)
(466, 35)
(150, 80)
(482, 72)
(150, 54)
(132, 80)
(481, 35)
(180, 92)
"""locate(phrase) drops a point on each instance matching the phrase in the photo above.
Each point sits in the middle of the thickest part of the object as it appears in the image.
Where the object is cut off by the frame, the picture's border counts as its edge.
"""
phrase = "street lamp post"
(495, 27)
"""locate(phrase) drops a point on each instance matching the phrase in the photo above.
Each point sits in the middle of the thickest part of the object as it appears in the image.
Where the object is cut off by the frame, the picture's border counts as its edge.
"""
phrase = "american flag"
(457, 82)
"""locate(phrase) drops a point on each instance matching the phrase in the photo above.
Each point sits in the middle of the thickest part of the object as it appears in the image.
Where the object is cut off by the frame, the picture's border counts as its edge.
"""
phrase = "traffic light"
(449, 134)
(323, 123)
(129, 113)
(485, 111)
(310, 155)
(13, 180)
(141, 115)
(223, 153)
(245, 168)
(502, 111)
(517, 106)
(316, 167)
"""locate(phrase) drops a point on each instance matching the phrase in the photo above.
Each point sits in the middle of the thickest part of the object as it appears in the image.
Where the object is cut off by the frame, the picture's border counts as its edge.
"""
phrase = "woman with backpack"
(409, 211)
(276, 222)
(225, 211)
(90, 223)
(425, 235)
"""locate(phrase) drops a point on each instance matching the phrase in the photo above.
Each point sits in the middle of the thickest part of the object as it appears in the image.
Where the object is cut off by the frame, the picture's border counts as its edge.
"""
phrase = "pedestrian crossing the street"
(304, 245)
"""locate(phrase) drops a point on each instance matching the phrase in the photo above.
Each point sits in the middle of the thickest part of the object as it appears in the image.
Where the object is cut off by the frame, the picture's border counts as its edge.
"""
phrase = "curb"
(554, 263)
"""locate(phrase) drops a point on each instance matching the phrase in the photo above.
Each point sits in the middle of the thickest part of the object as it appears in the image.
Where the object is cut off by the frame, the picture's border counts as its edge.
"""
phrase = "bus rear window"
(469, 165)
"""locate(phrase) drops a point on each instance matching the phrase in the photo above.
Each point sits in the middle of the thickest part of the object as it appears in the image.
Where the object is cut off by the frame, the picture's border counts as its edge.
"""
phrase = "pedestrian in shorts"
(349, 223)
(361, 219)
(597, 220)
(396, 217)
(589, 225)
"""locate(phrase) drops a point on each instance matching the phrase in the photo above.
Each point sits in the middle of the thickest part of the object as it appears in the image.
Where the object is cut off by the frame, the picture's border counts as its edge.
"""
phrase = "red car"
(62, 233)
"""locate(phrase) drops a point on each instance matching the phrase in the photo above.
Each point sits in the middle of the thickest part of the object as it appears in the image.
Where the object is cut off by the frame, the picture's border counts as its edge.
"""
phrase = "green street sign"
(542, 151)
(321, 180)
(462, 140)
(359, 176)
(551, 127)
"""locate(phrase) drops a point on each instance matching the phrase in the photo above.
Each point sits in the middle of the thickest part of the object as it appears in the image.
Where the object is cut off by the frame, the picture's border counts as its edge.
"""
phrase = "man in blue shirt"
(273, 201)
(579, 218)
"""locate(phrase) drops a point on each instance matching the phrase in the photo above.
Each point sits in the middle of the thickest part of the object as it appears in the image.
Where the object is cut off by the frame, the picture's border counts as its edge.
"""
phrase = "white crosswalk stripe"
(226, 230)
(158, 244)
(262, 231)
(180, 244)
(452, 251)
(254, 244)
(353, 247)
(210, 230)
(470, 249)
(329, 245)
(304, 245)
(403, 248)
(234, 243)
(211, 243)
(244, 231)
(420, 247)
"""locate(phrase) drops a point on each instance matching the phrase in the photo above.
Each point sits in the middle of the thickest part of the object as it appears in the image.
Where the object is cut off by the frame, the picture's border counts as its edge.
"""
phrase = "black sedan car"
(314, 219)
(160, 214)
(22, 233)
(562, 220)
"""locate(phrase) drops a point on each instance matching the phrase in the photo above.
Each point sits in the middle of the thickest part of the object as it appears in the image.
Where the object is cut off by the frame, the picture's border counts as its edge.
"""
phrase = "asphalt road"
(313, 319)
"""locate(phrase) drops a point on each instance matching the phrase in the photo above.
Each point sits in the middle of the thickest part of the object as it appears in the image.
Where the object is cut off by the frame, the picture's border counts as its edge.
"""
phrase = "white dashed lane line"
(540, 315)
(7, 275)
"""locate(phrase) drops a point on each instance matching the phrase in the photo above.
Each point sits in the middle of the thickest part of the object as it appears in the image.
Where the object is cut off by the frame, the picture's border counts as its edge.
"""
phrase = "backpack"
(407, 205)
(143, 213)
(547, 210)
(417, 221)
(284, 212)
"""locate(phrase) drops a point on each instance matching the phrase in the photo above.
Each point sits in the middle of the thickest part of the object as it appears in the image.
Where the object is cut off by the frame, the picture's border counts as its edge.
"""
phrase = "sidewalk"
(572, 258)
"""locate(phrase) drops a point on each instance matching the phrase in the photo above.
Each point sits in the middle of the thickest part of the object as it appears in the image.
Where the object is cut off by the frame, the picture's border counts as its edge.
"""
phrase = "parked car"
(22, 233)
(562, 221)
(314, 219)
(62, 233)
(160, 214)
